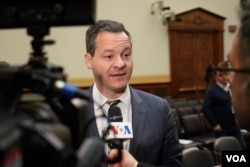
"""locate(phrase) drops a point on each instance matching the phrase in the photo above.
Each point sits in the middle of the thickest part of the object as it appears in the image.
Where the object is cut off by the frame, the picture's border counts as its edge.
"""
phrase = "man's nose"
(119, 62)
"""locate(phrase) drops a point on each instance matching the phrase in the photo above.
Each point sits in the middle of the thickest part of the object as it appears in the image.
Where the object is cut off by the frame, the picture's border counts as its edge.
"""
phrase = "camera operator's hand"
(127, 159)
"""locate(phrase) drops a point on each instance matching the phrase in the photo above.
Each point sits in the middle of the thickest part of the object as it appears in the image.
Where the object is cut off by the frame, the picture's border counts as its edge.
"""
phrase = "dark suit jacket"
(155, 138)
(217, 107)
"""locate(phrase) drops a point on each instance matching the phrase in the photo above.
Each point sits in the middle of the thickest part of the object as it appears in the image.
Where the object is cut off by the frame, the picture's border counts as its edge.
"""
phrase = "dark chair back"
(184, 111)
(225, 143)
(197, 157)
(180, 103)
(194, 129)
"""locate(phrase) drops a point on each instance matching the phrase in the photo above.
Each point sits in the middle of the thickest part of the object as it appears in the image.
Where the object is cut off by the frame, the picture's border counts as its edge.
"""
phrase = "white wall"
(150, 38)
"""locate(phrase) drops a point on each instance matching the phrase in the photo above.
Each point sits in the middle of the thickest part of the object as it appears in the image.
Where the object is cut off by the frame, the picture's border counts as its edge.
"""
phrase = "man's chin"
(120, 88)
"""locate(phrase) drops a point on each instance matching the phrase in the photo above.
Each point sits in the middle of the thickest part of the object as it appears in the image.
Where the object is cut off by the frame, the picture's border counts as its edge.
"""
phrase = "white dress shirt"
(100, 107)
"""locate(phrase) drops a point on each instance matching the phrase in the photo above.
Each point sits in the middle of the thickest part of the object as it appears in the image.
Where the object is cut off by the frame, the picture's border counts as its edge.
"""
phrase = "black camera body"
(27, 140)
(39, 125)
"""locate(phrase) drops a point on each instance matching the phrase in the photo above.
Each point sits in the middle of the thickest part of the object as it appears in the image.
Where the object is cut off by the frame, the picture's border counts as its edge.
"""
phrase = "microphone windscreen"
(115, 114)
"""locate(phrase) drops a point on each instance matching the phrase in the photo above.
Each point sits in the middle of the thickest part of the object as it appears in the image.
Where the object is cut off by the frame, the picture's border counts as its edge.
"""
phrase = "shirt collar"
(226, 88)
(126, 96)
(100, 99)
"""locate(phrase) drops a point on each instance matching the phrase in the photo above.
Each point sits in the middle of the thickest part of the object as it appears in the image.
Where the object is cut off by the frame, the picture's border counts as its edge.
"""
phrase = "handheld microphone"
(119, 130)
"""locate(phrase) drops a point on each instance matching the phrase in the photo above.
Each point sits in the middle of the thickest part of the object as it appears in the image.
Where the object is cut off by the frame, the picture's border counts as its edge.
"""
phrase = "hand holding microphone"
(119, 131)
(127, 159)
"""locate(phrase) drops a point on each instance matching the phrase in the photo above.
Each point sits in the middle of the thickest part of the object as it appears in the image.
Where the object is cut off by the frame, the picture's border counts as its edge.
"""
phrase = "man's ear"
(88, 60)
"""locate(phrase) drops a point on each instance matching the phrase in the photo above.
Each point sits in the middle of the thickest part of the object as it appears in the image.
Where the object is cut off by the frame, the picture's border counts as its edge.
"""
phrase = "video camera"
(42, 118)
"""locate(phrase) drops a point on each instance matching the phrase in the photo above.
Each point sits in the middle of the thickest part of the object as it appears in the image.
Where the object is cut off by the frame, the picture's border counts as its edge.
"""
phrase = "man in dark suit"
(217, 107)
(109, 56)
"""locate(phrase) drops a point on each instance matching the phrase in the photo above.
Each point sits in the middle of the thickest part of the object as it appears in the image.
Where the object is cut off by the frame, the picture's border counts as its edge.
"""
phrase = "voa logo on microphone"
(235, 158)
(121, 130)
(117, 129)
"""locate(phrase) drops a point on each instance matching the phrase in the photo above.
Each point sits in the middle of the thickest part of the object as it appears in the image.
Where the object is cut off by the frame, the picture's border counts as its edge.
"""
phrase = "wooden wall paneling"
(194, 42)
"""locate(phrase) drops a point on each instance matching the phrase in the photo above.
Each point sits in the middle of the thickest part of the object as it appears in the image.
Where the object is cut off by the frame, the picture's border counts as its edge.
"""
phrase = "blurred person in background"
(217, 106)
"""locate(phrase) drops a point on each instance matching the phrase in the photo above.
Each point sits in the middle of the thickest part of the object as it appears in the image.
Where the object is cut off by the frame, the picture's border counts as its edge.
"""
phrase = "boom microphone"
(70, 90)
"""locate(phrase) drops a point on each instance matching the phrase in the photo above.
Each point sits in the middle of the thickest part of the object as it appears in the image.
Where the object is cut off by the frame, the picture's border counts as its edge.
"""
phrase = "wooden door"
(195, 50)
(191, 50)
(206, 52)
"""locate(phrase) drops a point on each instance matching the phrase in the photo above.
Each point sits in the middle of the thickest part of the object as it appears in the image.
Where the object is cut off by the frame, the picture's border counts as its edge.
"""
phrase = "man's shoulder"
(145, 95)
(213, 87)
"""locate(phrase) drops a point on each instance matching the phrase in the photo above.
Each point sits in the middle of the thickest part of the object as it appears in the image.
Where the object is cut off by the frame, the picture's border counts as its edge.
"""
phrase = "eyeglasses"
(230, 68)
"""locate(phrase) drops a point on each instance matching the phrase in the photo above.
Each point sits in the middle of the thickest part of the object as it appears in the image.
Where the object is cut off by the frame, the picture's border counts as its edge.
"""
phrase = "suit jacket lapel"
(138, 121)
(228, 93)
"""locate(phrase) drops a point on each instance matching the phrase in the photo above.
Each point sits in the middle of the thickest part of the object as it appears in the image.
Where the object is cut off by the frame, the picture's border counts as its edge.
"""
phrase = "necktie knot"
(112, 103)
